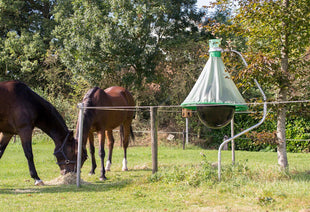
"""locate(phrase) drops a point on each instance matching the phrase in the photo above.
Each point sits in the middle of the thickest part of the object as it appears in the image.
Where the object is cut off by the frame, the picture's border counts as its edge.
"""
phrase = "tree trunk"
(281, 137)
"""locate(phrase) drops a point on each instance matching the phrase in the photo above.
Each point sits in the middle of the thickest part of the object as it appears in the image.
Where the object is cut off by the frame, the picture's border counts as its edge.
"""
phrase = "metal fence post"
(80, 141)
(186, 120)
(232, 141)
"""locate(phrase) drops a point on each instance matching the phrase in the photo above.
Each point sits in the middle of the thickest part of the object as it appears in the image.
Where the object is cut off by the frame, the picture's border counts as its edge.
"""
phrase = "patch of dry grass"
(67, 179)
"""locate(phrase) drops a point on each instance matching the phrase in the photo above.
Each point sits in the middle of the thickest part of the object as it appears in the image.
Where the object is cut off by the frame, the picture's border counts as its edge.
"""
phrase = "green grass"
(186, 181)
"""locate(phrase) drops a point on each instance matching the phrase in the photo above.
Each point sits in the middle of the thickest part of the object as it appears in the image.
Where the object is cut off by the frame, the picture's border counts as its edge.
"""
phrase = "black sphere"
(215, 116)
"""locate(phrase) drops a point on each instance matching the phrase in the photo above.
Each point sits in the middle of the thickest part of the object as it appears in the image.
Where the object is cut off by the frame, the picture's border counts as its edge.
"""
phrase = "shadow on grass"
(140, 170)
(300, 176)
(88, 186)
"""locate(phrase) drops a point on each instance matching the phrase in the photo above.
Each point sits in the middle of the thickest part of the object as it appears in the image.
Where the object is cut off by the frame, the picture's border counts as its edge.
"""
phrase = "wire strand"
(135, 108)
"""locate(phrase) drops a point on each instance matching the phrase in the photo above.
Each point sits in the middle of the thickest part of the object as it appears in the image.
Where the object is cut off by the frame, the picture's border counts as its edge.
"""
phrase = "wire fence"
(177, 109)
(164, 109)
(137, 108)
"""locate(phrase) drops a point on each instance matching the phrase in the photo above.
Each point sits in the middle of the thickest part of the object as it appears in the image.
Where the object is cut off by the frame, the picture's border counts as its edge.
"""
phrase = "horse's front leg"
(4, 140)
(110, 137)
(92, 152)
(101, 138)
(26, 136)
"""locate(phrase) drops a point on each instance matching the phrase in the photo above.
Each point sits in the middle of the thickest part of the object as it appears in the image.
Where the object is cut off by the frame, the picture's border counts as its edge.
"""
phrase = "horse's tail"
(132, 135)
(131, 102)
(121, 131)
(121, 134)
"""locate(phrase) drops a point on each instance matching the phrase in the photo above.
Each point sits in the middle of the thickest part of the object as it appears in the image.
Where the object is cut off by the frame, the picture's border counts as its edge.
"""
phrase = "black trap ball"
(215, 116)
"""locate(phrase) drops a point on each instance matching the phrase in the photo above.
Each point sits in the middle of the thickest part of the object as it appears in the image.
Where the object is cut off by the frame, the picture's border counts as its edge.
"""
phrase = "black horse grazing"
(21, 110)
(103, 121)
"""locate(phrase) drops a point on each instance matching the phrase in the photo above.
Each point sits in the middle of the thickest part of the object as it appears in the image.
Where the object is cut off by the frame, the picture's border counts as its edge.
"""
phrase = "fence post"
(153, 113)
(80, 141)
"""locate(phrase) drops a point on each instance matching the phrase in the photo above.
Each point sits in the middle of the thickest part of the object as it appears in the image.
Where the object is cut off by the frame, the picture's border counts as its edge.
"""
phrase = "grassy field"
(186, 181)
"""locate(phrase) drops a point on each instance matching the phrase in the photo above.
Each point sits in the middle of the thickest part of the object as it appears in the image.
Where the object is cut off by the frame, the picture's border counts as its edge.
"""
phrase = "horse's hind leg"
(101, 138)
(25, 136)
(125, 145)
(92, 153)
(110, 137)
(4, 141)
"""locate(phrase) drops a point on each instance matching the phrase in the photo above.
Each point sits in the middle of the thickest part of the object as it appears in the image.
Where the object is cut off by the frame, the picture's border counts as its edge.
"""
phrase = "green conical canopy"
(214, 85)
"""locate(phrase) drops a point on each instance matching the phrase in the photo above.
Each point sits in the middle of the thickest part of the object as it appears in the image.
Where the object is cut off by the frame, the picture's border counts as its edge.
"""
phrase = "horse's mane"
(89, 95)
(88, 113)
(25, 92)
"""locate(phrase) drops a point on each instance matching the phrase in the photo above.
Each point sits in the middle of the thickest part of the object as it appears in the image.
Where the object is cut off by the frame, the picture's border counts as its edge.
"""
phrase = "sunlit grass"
(186, 181)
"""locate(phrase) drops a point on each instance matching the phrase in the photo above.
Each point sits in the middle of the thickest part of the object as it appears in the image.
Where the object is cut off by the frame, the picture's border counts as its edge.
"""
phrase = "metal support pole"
(238, 53)
(232, 141)
(186, 120)
(153, 111)
(80, 141)
(245, 131)
(183, 136)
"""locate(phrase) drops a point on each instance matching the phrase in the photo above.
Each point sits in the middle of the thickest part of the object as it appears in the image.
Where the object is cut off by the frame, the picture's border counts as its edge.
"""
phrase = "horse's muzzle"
(68, 170)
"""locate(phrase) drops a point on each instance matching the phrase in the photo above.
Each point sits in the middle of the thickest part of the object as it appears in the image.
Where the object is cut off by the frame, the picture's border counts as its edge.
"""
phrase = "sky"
(201, 3)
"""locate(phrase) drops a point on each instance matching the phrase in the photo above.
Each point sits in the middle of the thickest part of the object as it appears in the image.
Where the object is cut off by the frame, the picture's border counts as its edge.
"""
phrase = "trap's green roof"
(214, 85)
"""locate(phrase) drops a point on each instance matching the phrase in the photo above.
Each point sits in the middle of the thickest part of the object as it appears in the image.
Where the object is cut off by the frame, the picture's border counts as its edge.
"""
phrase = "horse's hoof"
(91, 173)
(102, 178)
(124, 169)
(39, 183)
(107, 170)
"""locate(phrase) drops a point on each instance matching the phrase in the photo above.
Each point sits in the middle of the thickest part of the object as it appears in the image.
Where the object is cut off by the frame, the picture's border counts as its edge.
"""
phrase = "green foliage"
(298, 129)
(264, 137)
(121, 41)
(62, 48)
(276, 39)
(24, 39)
(264, 25)
(206, 173)
(246, 144)
(21, 56)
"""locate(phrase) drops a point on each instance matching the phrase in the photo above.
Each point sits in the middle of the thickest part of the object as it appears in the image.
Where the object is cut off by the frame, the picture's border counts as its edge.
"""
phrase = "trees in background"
(123, 41)
(27, 52)
(65, 47)
(277, 36)
(25, 34)
(155, 48)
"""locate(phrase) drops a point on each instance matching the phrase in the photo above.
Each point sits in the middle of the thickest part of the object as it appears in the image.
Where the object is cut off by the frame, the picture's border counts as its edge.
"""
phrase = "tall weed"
(206, 173)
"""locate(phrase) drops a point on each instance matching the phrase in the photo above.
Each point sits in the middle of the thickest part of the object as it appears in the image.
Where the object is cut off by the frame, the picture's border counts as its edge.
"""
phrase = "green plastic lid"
(214, 43)
(214, 48)
(215, 54)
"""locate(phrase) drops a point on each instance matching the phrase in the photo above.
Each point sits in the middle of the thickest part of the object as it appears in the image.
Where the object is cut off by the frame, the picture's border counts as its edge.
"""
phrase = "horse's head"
(66, 155)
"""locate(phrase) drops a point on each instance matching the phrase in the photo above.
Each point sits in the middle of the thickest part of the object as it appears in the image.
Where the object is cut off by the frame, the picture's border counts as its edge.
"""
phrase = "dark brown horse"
(103, 121)
(21, 110)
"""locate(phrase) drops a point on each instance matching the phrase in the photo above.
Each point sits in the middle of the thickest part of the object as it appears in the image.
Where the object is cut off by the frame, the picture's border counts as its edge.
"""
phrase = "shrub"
(264, 137)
